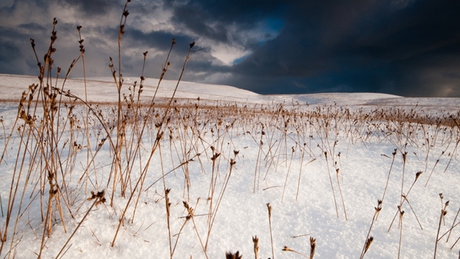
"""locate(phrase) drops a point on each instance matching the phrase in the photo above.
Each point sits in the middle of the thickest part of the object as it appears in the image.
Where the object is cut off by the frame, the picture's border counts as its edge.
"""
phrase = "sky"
(402, 47)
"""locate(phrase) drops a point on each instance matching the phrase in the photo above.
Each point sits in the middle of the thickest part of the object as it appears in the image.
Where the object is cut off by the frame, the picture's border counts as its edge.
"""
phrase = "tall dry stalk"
(369, 238)
(341, 194)
(269, 208)
(332, 185)
(441, 218)
(255, 240)
(312, 247)
(257, 167)
(401, 214)
(287, 174)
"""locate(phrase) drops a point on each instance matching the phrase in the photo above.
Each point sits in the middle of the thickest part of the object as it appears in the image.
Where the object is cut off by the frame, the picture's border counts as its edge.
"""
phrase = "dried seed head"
(417, 175)
(368, 243)
(312, 247)
(287, 249)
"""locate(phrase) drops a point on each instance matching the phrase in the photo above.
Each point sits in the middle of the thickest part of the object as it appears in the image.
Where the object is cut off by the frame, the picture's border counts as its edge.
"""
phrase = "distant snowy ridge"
(102, 89)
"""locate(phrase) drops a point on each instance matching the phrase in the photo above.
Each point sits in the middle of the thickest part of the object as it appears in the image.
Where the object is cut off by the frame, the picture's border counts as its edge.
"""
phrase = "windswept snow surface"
(322, 161)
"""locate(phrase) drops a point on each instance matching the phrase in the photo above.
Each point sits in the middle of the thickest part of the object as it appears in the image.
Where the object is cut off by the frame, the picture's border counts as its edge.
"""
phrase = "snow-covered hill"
(197, 181)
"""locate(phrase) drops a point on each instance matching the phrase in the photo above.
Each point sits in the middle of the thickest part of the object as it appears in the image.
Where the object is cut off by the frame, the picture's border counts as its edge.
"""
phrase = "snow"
(296, 131)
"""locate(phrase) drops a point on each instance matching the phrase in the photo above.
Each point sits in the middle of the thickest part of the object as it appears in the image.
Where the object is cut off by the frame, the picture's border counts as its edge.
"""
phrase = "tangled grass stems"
(154, 147)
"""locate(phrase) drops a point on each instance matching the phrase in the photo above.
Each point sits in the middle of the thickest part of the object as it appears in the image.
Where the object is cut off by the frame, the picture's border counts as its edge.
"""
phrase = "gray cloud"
(406, 47)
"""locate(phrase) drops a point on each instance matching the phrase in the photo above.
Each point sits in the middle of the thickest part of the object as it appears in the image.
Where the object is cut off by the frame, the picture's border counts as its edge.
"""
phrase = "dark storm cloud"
(363, 46)
(211, 18)
(94, 7)
(406, 47)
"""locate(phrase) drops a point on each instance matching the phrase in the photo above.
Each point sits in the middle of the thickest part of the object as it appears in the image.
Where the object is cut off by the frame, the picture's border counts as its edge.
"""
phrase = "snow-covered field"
(321, 162)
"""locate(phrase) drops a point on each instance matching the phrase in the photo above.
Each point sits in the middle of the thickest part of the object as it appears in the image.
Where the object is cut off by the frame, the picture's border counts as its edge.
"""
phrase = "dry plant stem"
(1, 207)
(256, 172)
(212, 185)
(312, 247)
(389, 174)
(287, 175)
(168, 222)
(431, 172)
(178, 235)
(369, 239)
(13, 191)
(449, 231)
(96, 201)
(255, 240)
(404, 155)
(453, 223)
(452, 155)
(269, 207)
(332, 185)
(341, 194)
(300, 175)
(452, 247)
(401, 214)
(219, 200)
(191, 215)
(404, 199)
(89, 152)
(441, 217)
(117, 167)
(287, 249)
(413, 211)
